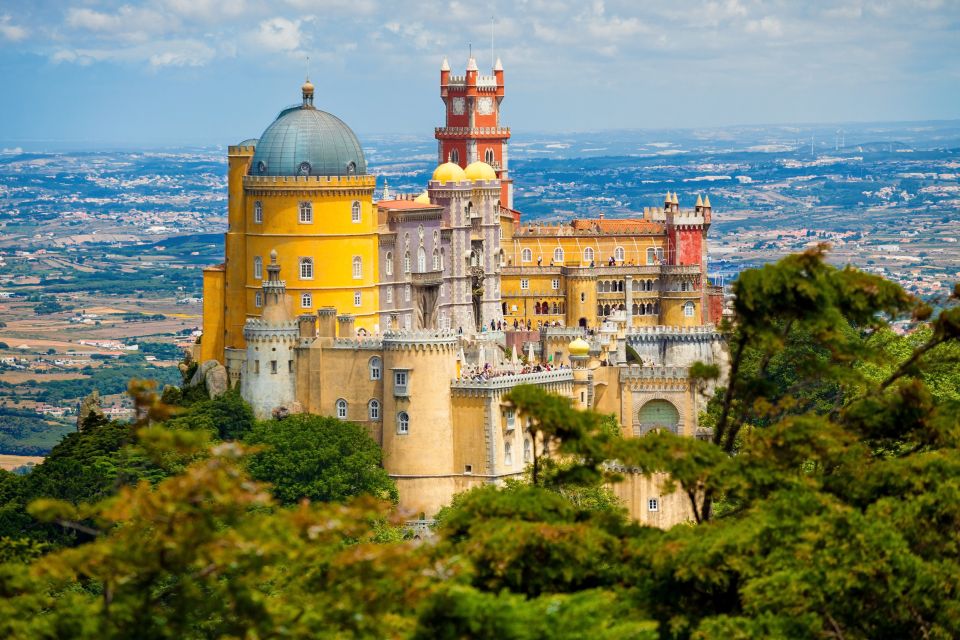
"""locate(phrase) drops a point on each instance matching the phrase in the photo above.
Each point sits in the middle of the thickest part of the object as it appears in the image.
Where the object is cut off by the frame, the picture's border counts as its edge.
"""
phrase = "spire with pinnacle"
(706, 202)
(699, 201)
(307, 89)
(445, 65)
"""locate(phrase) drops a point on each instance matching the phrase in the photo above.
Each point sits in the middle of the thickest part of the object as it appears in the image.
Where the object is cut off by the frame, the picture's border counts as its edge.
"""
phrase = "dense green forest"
(826, 504)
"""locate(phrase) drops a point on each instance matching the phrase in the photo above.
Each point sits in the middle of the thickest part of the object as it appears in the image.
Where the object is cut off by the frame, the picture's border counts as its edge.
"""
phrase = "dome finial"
(307, 88)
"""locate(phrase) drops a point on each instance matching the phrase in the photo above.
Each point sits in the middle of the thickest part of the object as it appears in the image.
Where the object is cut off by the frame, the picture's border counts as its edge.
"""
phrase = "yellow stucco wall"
(211, 343)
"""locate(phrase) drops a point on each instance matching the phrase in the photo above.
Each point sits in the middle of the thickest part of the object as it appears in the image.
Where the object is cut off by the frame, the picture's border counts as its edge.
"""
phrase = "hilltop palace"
(415, 315)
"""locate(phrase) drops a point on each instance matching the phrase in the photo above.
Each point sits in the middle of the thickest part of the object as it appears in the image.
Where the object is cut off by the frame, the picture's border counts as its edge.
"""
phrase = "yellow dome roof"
(449, 172)
(579, 347)
(480, 170)
(423, 198)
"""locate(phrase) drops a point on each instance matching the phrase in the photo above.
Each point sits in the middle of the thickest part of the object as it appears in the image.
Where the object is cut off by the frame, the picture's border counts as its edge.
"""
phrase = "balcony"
(427, 278)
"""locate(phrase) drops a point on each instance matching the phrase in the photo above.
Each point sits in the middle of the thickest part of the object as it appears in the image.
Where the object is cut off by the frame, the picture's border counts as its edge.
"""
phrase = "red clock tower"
(473, 130)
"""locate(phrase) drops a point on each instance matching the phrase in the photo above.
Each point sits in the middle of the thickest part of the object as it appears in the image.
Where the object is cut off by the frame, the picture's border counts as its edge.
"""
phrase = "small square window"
(524, 284)
(468, 469)
(653, 504)
(555, 284)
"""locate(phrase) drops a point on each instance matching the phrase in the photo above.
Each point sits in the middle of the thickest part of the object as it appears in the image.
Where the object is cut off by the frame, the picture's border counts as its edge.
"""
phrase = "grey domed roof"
(307, 141)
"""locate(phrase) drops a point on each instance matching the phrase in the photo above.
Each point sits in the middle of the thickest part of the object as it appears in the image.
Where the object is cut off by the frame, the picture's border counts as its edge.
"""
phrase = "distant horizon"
(7, 146)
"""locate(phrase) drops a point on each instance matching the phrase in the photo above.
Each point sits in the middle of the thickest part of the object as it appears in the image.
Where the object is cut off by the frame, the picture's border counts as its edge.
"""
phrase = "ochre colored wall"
(211, 344)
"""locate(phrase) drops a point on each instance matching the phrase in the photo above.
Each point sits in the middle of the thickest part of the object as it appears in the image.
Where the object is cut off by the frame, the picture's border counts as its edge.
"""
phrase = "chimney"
(345, 326)
(327, 322)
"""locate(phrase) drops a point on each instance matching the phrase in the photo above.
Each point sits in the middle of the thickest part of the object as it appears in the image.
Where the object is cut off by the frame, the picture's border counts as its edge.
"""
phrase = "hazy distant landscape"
(101, 251)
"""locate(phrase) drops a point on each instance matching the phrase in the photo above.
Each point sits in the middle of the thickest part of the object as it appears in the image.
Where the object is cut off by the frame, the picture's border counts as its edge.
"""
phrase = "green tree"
(318, 458)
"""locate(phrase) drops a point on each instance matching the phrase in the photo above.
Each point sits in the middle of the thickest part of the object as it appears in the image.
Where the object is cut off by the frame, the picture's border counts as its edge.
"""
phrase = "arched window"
(635, 310)
(443, 255)
(390, 296)
(355, 211)
(649, 309)
(258, 299)
(306, 213)
(306, 300)
(351, 168)
(606, 310)
(536, 308)
(306, 268)
(403, 423)
(619, 254)
(388, 263)
(527, 451)
(436, 260)
(356, 299)
(342, 409)
(545, 307)
(508, 454)
(421, 259)
(258, 268)
(684, 286)
(651, 256)
(373, 409)
(436, 237)
(588, 255)
(406, 262)
(656, 308)
(357, 268)
(526, 255)
(488, 157)
(376, 368)
(455, 156)
(258, 212)
(558, 256)
(688, 310)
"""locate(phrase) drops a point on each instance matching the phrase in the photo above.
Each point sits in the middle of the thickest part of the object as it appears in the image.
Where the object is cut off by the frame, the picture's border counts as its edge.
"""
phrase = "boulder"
(201, 373)
(217, 381)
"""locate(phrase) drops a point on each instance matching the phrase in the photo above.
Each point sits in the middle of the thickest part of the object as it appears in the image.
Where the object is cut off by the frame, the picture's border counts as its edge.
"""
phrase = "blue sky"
(172, 72)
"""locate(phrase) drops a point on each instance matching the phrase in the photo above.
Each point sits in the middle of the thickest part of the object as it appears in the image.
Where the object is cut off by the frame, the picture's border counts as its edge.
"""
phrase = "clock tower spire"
(472, 130)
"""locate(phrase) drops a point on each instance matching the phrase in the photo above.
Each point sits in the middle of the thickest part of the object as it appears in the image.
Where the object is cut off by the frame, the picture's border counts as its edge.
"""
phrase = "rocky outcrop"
(90, 413)
(213, 376)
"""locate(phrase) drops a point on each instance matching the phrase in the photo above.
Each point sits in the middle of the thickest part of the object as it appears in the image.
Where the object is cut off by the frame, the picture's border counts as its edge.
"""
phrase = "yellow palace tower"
(300, 190)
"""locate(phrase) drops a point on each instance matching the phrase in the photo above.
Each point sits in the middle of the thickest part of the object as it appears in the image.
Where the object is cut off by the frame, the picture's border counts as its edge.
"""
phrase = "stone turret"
(269, 382)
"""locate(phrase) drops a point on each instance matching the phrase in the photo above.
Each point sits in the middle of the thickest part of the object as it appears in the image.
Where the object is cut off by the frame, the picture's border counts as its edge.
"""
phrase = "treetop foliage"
(825, 502)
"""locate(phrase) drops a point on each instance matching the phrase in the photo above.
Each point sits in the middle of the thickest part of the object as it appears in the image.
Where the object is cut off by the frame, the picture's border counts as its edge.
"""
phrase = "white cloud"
(10, 31)
(209, 10)
(134, 24)
(183, 54)
(767, 25)
(279, 34)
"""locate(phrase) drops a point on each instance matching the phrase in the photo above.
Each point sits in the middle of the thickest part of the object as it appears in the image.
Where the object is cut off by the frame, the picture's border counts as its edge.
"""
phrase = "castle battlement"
(364, 181)
(654, 372)
(375, 344)
(660, 332)
(419, 340)
(508, 381)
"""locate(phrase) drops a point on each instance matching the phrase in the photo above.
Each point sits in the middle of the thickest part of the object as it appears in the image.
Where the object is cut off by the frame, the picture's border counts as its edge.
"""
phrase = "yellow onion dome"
(579, 347)
(449, 172)
(423, 198)
(480, 170)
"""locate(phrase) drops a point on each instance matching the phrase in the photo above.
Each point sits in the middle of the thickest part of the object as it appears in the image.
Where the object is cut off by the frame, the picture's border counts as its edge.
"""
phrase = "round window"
(304, 169)
(261, 167)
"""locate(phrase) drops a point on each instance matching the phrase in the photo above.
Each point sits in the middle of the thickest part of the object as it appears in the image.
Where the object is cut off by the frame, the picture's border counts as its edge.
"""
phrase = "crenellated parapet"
(660, 333)
(420, 340)
(258, 330)
(557, 381)
(358, 344)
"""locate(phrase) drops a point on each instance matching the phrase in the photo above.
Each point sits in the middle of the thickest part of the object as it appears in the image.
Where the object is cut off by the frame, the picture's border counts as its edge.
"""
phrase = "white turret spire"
(472, 63)
(445, 65)
(498, 66)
